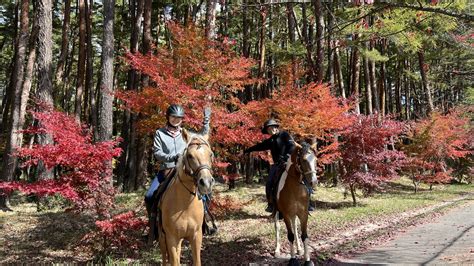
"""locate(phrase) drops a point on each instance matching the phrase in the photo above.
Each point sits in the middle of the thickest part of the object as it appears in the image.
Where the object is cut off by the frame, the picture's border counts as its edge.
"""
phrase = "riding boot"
(270, 205)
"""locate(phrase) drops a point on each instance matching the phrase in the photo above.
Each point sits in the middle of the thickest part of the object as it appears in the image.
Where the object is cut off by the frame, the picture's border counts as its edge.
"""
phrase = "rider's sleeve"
(158, 150)
(288, 145)
(262, 146)
(206, 121)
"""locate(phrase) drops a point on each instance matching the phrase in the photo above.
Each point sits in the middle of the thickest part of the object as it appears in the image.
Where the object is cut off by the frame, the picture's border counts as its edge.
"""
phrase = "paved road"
(448, 239)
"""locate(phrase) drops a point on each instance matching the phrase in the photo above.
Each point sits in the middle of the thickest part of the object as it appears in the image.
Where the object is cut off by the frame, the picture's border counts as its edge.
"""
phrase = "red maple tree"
(193, 71)
(83, 167)
(434, 141)
(309, 111)
(368, 153)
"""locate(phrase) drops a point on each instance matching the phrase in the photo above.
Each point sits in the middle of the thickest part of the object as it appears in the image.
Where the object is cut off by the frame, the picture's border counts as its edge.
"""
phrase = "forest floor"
(246, 233)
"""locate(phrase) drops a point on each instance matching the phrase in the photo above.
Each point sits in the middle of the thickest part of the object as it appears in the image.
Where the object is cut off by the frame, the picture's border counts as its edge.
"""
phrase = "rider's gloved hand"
(207, 111)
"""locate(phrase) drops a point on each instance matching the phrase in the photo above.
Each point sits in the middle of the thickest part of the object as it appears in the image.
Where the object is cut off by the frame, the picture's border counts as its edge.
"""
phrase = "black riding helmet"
(175, 110)
(269, 123)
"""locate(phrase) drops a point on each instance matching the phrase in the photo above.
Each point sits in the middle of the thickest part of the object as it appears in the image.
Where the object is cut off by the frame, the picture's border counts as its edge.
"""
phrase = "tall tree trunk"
(291, 33)
(398, 89)
(368, 87)
(338, 72)
(330, 44)
(373, 82)
(64, 49)
(129, 158)
(81, 64)
(210, 29)
(245, 31)
(425, 81)
(45, 72)
(13, 69)
(107, 75)
(355, 74)
(9, 160)
(262, 53)
(382, 84)
(89, 84)
(318, 13)
(407, 92)
(144, 142)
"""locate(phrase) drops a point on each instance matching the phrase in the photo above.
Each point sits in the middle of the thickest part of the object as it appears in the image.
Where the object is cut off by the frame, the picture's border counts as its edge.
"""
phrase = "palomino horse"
(293, 198)
(182, 211)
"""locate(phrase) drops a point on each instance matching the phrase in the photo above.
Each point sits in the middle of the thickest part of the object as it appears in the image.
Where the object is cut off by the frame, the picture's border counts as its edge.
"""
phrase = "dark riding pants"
(275, 170)
(159, 178)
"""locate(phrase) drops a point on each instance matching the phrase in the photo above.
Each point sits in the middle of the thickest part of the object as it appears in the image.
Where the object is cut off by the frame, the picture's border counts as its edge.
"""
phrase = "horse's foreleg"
(304, 236)
(299, 249)
(291, 235)
(277, 233)
(172, 247)
(196, 244)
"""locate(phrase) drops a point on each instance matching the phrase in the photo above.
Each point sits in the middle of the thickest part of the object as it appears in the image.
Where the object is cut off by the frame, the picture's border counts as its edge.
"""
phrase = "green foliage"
(374, 55)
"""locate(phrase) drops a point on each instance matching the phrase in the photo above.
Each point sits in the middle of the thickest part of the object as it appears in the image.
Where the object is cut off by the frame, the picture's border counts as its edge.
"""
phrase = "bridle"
(187, 167)
(299, 164)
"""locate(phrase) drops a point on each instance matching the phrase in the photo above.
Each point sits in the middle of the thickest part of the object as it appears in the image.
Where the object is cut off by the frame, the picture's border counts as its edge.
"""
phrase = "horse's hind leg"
(163, 250)
(299, 249)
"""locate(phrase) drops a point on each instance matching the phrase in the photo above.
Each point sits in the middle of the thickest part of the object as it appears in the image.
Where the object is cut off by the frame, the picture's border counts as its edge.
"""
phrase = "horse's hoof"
(301, 252)
(277, 254)
(293, 262)
(308, 263)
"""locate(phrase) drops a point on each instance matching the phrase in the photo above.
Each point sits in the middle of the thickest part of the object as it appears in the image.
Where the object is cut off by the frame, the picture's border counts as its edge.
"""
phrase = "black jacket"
(281, 146)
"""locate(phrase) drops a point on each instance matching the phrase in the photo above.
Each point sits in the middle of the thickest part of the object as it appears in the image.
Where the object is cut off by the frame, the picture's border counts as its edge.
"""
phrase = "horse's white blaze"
(277, 232)
(281, 184)
(306, 249)
(314, 178)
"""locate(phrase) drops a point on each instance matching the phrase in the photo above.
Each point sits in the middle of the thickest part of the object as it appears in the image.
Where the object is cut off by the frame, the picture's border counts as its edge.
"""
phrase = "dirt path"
(436, 234)
(447, 239)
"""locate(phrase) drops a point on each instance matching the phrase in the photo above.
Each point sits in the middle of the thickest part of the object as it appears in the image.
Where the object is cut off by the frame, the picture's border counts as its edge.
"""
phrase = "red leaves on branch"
(84, 168)
(367, 152)
(194, 69)
(435, 140)
(120, 234)
(307, 111)
(223, 206)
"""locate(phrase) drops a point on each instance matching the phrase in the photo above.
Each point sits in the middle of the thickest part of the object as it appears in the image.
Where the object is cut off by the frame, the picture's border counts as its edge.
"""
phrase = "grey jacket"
(167, 149)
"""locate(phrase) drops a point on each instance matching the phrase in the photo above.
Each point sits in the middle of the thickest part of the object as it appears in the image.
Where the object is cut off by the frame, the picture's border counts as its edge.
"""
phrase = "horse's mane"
(305, 147)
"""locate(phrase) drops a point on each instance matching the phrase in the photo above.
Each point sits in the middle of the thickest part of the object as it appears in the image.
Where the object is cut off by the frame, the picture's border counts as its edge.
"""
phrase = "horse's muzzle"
(205, 184)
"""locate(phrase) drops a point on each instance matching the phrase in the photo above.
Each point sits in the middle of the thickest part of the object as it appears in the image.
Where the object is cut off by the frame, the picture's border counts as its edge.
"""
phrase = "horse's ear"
(186, 135)
(206, 136)
(298, 146)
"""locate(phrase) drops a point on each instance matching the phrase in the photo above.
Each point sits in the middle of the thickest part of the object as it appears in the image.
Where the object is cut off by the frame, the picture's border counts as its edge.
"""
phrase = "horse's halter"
(299, 162)
(187, 167)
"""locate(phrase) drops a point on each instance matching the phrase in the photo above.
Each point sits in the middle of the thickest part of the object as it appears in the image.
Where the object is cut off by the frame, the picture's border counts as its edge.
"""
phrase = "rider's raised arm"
(206, 121)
